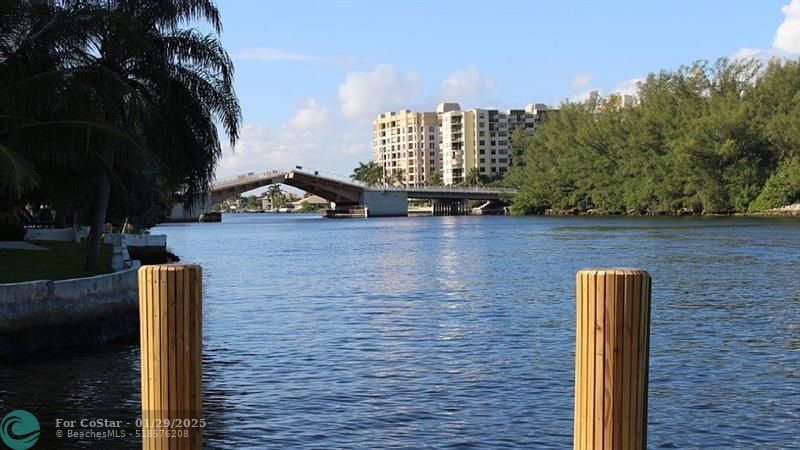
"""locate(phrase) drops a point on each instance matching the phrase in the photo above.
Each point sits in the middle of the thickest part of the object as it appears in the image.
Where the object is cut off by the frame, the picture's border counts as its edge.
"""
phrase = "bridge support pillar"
(450, 207)
(385, 203)
(200, 205)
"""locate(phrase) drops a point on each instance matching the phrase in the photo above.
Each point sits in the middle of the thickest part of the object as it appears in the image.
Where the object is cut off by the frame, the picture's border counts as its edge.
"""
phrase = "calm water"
(457, 332)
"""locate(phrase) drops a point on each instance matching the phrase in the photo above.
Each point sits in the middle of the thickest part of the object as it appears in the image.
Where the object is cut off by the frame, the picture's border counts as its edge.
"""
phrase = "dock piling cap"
(613, 271)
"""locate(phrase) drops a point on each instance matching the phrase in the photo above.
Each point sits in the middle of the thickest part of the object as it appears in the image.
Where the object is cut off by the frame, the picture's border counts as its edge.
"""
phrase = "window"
(433, 153)
(480, 133)
(494, 142)
(482, 160)
(503, 142)
(431, 146)
(481, 142)
(483, 169)
(482, 152)
(494, 161)
(410, 145)
(503, 160)
(431, 129)
(431, 138)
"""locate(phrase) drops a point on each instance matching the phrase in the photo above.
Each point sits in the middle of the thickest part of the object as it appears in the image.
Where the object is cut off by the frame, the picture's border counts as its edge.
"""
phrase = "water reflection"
(459, 332)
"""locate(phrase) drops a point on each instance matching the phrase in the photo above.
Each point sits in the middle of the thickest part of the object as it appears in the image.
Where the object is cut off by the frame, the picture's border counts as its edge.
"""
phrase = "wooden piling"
(170, 307)
(611, 360)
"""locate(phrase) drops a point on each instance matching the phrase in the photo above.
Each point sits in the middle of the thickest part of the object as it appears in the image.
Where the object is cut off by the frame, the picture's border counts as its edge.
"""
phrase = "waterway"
(455, 332)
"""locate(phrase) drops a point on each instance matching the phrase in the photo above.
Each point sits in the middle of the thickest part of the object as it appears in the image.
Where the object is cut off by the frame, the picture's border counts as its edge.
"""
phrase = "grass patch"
(64, 260)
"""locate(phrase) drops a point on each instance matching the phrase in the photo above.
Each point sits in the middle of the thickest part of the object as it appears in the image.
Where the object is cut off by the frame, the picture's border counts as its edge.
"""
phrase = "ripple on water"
(458, 332)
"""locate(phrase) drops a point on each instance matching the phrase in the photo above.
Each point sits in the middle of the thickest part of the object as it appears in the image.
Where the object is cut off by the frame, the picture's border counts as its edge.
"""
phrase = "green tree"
(711, 138)
(370, 173)
(274, 191)
(434, 178)
(397, 177)
(135, 90)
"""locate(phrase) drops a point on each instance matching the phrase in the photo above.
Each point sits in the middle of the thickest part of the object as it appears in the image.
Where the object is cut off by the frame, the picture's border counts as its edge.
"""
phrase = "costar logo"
(19, 430)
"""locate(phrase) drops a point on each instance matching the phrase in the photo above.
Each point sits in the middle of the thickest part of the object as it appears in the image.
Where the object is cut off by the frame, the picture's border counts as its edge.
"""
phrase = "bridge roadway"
(347, 195)
(339, 190)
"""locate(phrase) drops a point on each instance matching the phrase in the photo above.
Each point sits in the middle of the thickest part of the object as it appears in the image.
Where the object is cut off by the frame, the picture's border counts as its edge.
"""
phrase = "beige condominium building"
(481, 139)
(617, 100)
(406, 145)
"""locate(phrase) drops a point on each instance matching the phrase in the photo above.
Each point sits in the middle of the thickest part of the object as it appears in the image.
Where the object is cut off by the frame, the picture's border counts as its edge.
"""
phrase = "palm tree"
(473, 178)
(398, 177)
(136, 93)
(434, 179)
(276, 195)
(370, 173)
(274, 191)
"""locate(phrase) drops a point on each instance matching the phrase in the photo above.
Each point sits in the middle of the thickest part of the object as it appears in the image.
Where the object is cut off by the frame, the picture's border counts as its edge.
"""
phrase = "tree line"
(109, 110)
(719, 137)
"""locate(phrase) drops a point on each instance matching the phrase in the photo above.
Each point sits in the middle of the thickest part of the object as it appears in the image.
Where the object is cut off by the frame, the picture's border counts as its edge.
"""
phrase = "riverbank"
(46, 314)
(786, 211)
(59, 261)
(54, 307)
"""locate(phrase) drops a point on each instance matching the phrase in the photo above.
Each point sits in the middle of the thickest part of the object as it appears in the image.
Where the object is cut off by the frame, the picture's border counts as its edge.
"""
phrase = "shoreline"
(786, 211)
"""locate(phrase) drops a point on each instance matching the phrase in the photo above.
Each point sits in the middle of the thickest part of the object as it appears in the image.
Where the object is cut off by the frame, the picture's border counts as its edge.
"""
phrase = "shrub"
(781, 189)
(11, 228)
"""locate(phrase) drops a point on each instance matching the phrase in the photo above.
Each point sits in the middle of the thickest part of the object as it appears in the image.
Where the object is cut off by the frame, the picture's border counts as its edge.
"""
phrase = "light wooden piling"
(611, 359)
(170, 304)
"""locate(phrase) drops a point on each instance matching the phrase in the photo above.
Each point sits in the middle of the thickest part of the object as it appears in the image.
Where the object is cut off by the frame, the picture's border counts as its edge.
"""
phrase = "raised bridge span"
(340, 190)
(347, 194)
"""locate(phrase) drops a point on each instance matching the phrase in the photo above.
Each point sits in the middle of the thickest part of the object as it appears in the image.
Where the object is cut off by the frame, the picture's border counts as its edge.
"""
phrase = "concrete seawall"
(41, 315)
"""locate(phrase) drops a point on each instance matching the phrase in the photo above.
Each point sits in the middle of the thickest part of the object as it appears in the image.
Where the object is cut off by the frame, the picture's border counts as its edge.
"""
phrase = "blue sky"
(312, 75)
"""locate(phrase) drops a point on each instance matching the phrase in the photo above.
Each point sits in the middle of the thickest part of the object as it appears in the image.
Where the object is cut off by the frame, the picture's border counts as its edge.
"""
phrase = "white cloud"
(256, 151)
(275, 54)
(785, 44)
(787, 38)
(629, 87)
(584, 95)
(366, 94)
(760, 54)
(580, 81)
(312, 137)
(466, 84)
(310, 115)
(354, 149)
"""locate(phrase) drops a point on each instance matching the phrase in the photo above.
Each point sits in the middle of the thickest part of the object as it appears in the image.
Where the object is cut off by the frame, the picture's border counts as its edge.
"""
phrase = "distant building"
(481, 139)
(312, 200)
(618, 100)
(406, 143)
(449, 141)
(266, 203)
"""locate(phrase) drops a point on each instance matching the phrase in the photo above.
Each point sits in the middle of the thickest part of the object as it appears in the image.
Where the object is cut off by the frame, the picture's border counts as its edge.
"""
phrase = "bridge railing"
(387, 187)
(346, 180)
(245, 178)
